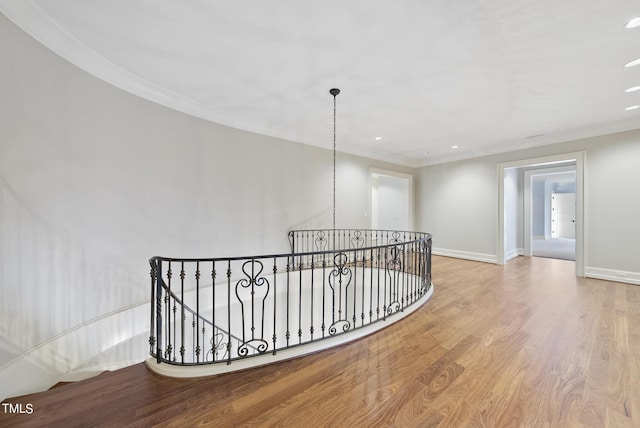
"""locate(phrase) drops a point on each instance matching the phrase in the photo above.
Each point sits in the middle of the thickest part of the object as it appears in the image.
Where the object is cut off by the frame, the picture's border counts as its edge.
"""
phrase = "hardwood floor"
(527, 344)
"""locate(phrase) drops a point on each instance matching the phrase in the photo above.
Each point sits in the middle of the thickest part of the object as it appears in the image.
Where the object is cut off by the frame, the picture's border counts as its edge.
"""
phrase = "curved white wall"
(94, 181)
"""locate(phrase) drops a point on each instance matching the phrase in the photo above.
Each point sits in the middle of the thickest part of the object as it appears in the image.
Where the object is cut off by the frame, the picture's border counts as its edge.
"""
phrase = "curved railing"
(334, 282)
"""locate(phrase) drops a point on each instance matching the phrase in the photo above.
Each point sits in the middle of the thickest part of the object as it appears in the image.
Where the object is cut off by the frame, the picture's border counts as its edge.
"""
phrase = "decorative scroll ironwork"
(339, 281)
(424, 266)
(218, 344)
(357, 241)
(395, 238)
(393, 269)
(321, 241)
(246, 291)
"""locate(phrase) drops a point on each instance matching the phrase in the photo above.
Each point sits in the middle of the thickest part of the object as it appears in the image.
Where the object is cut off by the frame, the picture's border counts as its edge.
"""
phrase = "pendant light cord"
(334, 92)
(334, 162)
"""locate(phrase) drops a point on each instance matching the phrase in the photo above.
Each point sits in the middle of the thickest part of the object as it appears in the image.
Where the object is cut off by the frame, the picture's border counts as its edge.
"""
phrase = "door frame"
(581, 236)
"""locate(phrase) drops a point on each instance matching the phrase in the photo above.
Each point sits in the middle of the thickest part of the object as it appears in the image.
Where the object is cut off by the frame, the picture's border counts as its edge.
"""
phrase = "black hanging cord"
(334, 92)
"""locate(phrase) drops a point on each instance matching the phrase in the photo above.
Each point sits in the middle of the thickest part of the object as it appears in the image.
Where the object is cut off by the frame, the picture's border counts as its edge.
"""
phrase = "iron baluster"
(159, 310)
(300, 304)
(384, 293)
(194, 335)
(324, 282)
(229, 311)
(355, 286)
(275, 294)
(152, 334)
(378, 283)
(168, 314)
(287, 335)
(213, 307)
(182, 314)
(311, 305)
(403, 271)
(363, 287)
(197, 319)
(371, 288)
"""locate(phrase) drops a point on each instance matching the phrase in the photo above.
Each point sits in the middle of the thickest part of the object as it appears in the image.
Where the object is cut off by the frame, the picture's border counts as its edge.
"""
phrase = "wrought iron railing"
(335, 281)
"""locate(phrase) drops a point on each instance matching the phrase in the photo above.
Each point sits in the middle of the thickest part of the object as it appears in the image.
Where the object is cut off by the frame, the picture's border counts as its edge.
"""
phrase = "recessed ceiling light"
(635, 22)
(378, 138)
(632, 89)
(454, 147)
(632, 107)
(633, 63)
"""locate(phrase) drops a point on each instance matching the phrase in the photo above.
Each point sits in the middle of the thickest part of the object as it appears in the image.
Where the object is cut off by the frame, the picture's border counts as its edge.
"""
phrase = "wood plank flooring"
(522, 345)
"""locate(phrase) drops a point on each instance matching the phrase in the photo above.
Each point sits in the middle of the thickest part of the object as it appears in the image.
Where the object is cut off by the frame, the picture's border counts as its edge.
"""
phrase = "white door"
(563, 215)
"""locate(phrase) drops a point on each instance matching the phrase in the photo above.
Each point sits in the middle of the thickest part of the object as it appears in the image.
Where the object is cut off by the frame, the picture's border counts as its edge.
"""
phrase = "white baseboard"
(613, 275)
(75, 377)
(467, 255)
(513, 254)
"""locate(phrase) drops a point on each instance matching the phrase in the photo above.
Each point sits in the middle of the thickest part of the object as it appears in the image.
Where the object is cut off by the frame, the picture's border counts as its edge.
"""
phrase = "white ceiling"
(487, 76)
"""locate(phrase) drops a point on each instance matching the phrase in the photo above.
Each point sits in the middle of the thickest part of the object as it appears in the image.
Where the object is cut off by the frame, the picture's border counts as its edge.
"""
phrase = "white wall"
(613, 202)
(94, 181)
(538, 217)
(457, 202)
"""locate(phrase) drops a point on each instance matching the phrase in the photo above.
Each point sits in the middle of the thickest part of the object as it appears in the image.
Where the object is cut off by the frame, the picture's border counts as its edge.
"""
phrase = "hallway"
(555, 248)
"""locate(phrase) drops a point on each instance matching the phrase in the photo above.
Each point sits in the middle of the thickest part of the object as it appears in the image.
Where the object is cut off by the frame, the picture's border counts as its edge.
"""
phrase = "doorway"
(502, 168)
(391, 200)
(544, 187)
